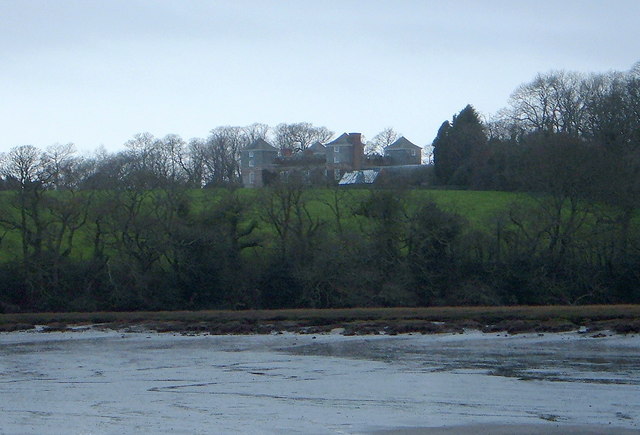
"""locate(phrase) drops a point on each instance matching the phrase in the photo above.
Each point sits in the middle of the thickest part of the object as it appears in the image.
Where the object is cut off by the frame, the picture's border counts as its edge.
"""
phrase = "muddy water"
(105, 382)
(533, 357)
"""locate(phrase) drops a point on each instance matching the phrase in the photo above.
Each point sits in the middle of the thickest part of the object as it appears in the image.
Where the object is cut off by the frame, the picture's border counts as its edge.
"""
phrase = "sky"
(95, 72)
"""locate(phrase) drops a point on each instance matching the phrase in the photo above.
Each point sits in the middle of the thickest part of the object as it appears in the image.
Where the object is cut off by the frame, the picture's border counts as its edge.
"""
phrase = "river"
(108, 382)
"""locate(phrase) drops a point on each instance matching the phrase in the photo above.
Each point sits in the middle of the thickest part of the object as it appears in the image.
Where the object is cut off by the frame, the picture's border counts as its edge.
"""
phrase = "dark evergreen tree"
(443, 155)
(459, 149)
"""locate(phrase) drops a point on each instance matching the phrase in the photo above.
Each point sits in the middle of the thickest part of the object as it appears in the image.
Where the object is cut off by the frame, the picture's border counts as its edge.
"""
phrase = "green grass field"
(478, 207)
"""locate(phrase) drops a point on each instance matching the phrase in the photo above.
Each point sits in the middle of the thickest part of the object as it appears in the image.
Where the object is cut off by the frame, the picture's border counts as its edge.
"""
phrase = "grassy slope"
(476, 206)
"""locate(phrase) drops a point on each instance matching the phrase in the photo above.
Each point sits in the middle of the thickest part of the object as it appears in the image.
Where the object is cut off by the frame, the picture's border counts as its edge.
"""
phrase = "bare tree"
(286, 209)
(23, 164)
(427, 155)
(501, 128)
(45, 222)
(552, 102)
(141, 147)
(154, 162)
(256, 131)
(193, 162)
(168, 158)
(222, 154)
(299, 136)
(613, 110)
(559, 174)
(61, 165)
(380, 141)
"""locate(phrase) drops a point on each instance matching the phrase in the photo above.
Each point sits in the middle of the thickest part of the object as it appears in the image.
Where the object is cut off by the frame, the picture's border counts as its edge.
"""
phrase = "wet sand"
(110, 382)
(520, 429)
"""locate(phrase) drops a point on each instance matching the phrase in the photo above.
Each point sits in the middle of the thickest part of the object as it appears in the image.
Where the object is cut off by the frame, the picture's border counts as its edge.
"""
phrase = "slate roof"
(402, 144)
(262, 145)
(317, 147)
(343, 139)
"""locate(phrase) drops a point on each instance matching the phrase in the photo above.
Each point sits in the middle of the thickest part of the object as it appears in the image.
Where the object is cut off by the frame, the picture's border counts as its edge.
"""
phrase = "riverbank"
(620, 319)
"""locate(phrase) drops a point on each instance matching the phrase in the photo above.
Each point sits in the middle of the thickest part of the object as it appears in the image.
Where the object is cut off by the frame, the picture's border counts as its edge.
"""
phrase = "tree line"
(291, 246)
(150, 162)
(581, 114)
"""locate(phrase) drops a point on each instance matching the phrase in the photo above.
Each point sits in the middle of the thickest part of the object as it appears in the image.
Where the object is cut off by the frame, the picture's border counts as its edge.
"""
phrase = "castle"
(261, 161)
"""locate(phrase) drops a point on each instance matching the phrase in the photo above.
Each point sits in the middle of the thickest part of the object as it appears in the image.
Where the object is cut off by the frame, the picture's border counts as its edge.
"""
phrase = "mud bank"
(347, 328)
(620, 319)
(519, 429)
(108, 382)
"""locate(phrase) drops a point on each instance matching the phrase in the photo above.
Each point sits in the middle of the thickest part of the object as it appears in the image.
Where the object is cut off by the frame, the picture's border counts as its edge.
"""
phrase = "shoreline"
(619, 319)
(352, 328)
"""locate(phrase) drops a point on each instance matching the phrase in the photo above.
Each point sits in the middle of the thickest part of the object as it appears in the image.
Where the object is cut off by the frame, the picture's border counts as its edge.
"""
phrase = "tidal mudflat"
(108, 382)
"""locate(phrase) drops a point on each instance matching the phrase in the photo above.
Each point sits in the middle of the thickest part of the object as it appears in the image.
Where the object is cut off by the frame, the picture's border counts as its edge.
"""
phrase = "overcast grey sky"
(97, 72)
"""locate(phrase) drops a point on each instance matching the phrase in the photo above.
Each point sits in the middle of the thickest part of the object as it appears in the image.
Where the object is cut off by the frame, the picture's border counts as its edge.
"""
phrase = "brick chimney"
(355, 139)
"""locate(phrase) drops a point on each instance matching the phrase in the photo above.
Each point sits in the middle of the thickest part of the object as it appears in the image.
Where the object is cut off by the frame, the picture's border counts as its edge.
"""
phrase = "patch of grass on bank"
(576, 315)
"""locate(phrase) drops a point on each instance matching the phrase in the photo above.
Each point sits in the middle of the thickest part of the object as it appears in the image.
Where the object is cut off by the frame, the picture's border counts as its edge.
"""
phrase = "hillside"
(291, 247)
